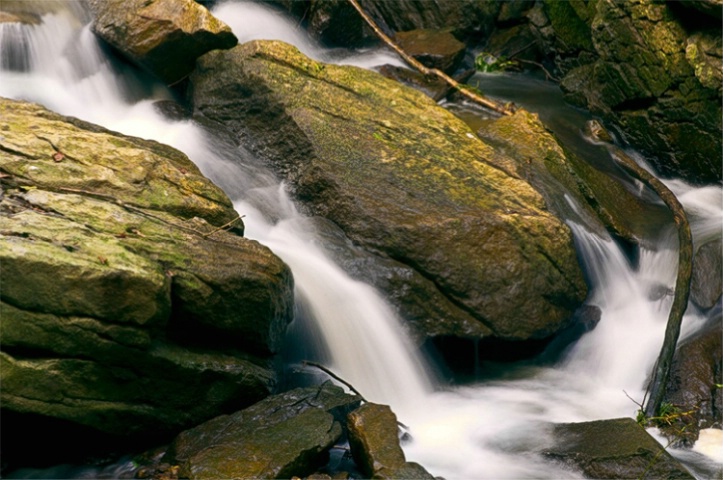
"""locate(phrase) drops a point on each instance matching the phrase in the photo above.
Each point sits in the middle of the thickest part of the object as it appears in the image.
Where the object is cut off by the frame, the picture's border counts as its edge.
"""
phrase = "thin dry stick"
(463, 89)
(224, 226)
(335, 377)
(142, 211)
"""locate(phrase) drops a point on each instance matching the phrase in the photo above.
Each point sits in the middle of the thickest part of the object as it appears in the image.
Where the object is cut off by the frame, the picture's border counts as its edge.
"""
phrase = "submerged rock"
(163, 36)
(618, 448)
(118, 278)
(403, 178)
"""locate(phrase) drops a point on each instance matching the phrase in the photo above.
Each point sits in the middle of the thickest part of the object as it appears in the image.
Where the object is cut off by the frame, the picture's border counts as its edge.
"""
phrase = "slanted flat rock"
(403, 178)
(282, 436)
(617, 448)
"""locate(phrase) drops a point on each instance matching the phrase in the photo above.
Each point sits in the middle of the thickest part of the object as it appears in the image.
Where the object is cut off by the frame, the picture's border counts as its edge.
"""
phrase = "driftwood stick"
(335, 377)
(661, 372)
(461, 88)
(351, 387)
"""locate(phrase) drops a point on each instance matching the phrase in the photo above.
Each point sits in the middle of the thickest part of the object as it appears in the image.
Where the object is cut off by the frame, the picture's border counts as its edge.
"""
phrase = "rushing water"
(491, 429)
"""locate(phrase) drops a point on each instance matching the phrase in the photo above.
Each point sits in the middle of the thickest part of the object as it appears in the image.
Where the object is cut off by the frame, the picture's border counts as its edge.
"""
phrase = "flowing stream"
(494, 428)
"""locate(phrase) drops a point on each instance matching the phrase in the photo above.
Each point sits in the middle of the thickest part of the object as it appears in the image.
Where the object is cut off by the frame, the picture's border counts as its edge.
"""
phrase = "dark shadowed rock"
(695, 376)
(336, 22)
(613, 449)
(404, 179)
(282, 436)
(652, 68)
(705, 287)
(432, 48)
(163, 36)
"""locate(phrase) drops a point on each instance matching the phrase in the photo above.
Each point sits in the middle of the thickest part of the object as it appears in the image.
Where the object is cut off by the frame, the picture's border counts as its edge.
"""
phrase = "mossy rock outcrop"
(651, 68)
(118, 279)
(403, 178)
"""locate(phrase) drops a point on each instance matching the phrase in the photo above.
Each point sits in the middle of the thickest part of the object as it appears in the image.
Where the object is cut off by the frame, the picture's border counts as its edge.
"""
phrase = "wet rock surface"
(282, 436)
(124, 301)
(402, 178)
(618, 448)
(695, 375)
(163, 36)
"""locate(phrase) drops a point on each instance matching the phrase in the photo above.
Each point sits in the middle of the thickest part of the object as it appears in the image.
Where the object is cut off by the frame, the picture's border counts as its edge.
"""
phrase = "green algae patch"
(111, 252)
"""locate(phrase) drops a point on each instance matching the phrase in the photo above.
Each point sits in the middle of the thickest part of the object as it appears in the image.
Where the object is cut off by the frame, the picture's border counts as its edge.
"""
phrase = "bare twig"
(351, 387)
(335, 377)
(475, 97)
(548, 75)
(224, 226)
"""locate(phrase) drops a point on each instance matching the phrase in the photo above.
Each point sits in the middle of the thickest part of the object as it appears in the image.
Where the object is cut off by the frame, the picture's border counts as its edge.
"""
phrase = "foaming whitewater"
(493, 429)
(250, 21)
(68, 72)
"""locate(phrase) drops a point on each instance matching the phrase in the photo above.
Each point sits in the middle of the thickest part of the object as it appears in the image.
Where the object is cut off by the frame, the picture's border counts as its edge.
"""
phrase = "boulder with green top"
(130, 303)
(163, 36)
(403, 178)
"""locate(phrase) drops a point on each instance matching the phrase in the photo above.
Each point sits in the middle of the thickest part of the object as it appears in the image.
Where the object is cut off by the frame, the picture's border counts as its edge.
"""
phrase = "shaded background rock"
(417, 187)
(706, 284)
(646, 67)
(335, 22)
(618, 448)
(695, 376)
(125, 307)
(163, 36)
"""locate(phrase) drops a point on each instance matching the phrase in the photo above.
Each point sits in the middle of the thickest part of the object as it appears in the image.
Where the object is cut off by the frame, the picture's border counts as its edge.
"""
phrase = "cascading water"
(493, 429)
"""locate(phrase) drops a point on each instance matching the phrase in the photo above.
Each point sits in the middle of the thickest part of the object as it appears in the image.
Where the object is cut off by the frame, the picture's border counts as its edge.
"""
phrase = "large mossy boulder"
(125, 306)
(286, 435)
(617, 448)
(163, 36)
(652, 68)
(403, 178)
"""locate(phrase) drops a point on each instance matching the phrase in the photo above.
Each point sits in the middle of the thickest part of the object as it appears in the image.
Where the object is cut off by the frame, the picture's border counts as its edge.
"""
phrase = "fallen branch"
(463, 89)
(661, 372)
(335, 377)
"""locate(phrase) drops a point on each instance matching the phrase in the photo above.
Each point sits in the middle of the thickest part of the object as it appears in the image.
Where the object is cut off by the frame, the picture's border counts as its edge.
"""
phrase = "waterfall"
(491, 429)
